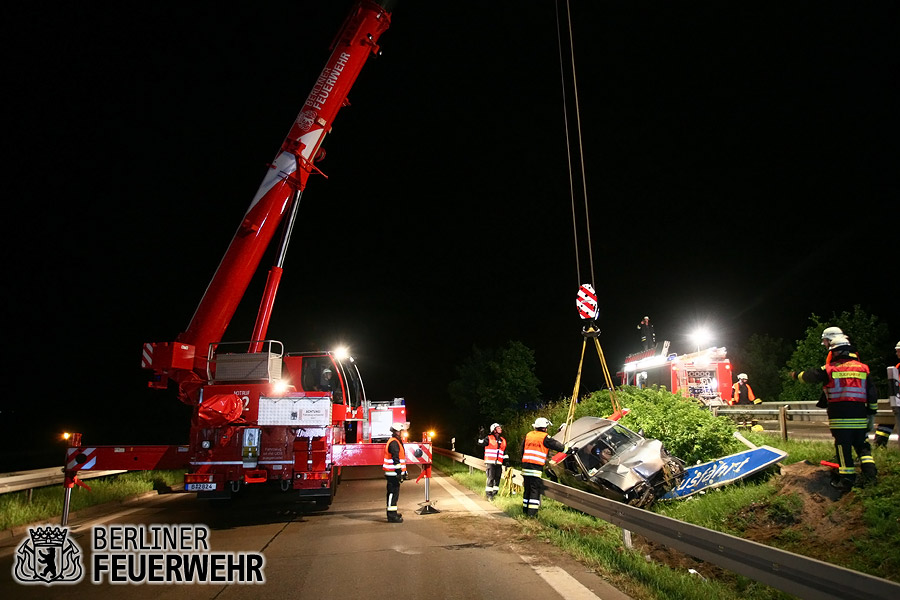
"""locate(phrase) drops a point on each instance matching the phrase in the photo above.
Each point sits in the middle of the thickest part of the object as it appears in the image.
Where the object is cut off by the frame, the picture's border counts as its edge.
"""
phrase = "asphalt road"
(467, 550)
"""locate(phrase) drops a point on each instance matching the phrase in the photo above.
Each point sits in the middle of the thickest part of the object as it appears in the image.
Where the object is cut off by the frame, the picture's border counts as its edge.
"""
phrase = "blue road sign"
(724, 470)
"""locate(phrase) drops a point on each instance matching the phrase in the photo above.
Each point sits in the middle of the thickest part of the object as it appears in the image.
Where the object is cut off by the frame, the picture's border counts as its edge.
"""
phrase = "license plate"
(200, 487)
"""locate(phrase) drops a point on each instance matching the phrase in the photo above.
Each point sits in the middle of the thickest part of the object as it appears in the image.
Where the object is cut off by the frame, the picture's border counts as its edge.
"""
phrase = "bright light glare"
(281, 387)
(431, 435)
(341, 352)
(700, 336)
(66, 435)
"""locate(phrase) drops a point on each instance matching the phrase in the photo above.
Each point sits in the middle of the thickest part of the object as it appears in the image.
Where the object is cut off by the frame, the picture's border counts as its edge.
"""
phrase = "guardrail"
(794, 574)
(800, 422)
(18, 481)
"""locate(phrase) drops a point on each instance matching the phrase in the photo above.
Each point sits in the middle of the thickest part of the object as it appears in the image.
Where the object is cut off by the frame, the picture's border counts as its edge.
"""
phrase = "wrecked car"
(612, 461)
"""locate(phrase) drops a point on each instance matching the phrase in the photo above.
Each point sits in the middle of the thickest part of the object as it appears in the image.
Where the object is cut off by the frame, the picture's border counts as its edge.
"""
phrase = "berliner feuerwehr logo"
(306, 119)
(47, 557)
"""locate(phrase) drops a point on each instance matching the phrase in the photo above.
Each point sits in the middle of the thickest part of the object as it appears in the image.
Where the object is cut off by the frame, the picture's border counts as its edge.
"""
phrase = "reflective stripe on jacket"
(494, 451)
(389, 466)
(846, 381)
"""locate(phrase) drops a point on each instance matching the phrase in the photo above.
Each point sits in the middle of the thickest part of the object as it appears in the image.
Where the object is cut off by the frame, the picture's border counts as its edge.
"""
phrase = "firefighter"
(534, 455)
(394, 470)
(648, 335)
(742, 393)
(883, 432)
(849, 396)
(495, 458)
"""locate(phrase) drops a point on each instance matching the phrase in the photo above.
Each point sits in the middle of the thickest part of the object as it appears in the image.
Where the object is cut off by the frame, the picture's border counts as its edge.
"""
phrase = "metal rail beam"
(26, 480)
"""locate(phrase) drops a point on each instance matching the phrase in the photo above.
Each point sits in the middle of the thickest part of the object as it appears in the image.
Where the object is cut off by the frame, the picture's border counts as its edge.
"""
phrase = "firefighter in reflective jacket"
(742, 393)
(850, 397)
(495, 458)
(534, 456)
(394, 470)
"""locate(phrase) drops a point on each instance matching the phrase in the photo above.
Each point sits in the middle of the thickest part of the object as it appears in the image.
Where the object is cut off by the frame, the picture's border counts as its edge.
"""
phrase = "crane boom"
(185, 360)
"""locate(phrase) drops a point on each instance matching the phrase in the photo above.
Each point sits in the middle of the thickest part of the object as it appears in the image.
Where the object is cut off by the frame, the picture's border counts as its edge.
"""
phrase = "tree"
(492, 385)
(866, 333)
(762, 359)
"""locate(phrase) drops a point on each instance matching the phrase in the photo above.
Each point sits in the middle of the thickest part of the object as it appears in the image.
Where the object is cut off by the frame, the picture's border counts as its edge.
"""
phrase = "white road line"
(467, 502)
(562, 583)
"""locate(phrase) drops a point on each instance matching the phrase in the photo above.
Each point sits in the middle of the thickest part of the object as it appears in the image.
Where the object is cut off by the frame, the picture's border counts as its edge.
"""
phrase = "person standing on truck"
(495, 458)
(394, 470)
(648, 335)
(742, 393)
(534, 456)
(849, 397)
(883, 432)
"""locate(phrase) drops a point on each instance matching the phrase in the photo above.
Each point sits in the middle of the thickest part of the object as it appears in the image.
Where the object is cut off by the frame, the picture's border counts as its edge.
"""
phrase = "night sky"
(739, 163)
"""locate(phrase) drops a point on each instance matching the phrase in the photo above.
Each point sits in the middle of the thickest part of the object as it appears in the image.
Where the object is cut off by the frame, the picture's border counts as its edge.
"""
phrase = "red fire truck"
(704, 375)
(263, 416)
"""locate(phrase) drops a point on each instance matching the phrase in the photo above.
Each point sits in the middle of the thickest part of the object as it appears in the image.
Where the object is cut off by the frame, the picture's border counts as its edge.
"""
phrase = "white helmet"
(495, 426)
(398, 427)
(897, 347)
(541, 422)
(834, 336)
(743, 376)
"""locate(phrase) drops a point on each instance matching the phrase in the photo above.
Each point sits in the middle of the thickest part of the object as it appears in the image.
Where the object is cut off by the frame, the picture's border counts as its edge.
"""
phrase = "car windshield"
(618, 438)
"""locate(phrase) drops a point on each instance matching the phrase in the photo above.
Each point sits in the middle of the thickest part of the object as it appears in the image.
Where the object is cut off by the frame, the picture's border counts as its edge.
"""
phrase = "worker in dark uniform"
(495, 458)
(883, 432)
(648, 335)
(742, 393)
(849, 396)
(534, 456)
(394, 470)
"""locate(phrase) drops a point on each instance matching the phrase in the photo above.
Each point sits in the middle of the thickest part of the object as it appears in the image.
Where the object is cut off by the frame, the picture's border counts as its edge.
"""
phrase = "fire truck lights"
(198, 478)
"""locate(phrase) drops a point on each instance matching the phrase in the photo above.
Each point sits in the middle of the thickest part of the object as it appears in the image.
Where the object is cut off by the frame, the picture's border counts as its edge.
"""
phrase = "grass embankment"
(599, 545)
(47, 502)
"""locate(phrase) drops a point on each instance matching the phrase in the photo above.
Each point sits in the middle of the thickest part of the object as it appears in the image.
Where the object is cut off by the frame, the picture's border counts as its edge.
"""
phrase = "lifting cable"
(590, 330)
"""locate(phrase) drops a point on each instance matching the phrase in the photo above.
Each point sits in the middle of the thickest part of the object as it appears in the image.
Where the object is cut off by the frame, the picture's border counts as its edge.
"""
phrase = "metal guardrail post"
(782, 421)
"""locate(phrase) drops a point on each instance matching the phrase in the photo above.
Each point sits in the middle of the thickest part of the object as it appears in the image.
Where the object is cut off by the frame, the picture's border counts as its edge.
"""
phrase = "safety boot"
(843, 484)
(394, 518)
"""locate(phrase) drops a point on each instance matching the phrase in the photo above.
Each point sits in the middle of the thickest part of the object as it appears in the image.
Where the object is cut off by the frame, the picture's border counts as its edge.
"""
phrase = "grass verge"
(47, 502)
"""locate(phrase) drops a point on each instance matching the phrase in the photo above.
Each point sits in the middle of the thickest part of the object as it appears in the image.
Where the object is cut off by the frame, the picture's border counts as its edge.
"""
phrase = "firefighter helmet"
(897, 347)
(398, 427)
(834, 336)
(494, 426)
(541, 423)
(743, 376)
(830, 332)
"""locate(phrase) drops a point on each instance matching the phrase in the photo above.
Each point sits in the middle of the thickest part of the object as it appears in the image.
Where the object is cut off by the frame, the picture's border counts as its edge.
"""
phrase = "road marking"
(562, 583)
(559, 579)
(467, 502)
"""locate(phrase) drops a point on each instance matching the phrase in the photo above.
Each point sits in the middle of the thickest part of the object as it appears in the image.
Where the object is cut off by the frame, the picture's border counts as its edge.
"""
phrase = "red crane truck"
(260, 415)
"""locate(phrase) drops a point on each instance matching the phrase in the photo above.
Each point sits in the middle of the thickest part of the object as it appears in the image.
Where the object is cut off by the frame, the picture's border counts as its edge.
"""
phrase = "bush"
(686, 429)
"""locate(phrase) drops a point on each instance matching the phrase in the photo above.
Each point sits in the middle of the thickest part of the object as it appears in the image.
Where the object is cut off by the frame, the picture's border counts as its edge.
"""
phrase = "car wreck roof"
(584, 429)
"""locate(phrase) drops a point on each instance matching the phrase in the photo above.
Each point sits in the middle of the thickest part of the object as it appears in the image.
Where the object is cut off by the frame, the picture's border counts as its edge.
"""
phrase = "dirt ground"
(824, 521)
